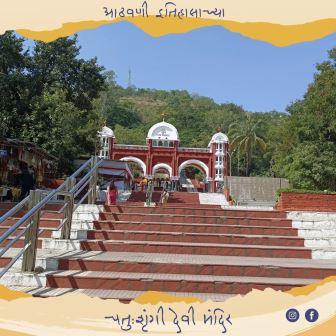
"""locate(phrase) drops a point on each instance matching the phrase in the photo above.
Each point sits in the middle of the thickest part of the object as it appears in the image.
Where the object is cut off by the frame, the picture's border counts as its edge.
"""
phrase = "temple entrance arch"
(136, 160)
(195, 163)
(163, 166)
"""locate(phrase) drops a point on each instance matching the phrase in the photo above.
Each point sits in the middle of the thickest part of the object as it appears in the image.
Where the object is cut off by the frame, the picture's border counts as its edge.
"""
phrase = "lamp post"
(227, 189)
(230, 156)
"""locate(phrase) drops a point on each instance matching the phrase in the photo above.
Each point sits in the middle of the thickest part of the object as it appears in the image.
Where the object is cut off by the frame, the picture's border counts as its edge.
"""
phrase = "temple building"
(163, 152)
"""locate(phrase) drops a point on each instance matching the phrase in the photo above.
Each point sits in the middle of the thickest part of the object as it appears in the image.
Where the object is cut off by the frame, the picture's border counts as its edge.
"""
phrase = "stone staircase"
(184, 248)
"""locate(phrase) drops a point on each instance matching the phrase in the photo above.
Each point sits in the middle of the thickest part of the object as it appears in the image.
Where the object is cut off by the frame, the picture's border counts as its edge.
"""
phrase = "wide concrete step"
(196, 248)
(197, 264)
(169, 282)
(214, 238)
(169, 218)
(194, 228)
(202, 210)
(122, 295)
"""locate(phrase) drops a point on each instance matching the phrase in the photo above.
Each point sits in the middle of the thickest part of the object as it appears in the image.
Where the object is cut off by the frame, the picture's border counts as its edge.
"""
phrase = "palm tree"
(245, 138)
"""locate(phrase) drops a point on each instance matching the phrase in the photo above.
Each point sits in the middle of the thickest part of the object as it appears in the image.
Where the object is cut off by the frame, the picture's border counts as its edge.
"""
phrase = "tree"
(307, 147)
(129, 136)
(57, 64)
(14, 61)
(313, 166)
(51, 126)
(64, 117)
(245, 137)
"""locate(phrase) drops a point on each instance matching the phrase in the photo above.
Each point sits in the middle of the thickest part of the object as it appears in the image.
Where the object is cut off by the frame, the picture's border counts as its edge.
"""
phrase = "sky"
(212, 62)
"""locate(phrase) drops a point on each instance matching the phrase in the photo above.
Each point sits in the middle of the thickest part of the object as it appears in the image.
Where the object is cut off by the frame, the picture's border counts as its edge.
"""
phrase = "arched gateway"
(195, 163)
(136, 160)
(163, 166)
(163, 152)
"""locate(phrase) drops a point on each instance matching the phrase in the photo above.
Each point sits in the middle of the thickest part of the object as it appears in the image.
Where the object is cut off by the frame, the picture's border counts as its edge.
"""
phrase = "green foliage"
(14, 84)
(49, 96)
(129, 136)
(57, 65)
(50, 125)
(245, 137)
(313, 166)
(306, 152)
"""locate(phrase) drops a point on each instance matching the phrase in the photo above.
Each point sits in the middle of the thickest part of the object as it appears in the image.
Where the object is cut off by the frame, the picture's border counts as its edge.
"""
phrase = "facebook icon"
(312, 315)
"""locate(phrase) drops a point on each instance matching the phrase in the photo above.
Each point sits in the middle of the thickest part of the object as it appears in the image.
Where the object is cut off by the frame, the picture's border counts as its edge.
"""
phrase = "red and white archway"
(136, 160)
(163, 152)
(164, 166)
(195, 163)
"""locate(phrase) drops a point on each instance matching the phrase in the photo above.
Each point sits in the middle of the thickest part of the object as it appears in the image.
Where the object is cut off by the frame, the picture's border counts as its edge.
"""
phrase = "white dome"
(163, 131)
(106, 132)
(219, 138)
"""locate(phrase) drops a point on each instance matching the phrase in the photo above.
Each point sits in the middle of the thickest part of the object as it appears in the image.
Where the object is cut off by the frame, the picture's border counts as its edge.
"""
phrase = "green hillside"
(52, 97)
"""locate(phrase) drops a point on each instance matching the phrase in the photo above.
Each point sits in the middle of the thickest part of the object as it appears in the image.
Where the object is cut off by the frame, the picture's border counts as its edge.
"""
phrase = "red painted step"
(185, 268)
(195, 228)
(183, 197)
(201, 210)
(202, 249)
(169, 282)
(44, 222)
(20, 243)
(7, 205)
(4, 261)
(181, 237)
(44, 214)
(140, 197)
(275, 222)
(45, 234)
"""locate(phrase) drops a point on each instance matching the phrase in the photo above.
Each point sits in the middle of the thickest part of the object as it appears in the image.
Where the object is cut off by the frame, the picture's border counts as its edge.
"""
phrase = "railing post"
(29, 256)
(70, 203)
(93, 183)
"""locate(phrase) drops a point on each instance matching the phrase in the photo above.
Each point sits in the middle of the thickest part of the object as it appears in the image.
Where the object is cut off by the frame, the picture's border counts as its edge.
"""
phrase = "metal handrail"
(14, 210)
(35, 210)
(81, 200)
(14, 260)
(87, 176)
(24, 202)
(31, 212)
(79, 170)
(13, 241)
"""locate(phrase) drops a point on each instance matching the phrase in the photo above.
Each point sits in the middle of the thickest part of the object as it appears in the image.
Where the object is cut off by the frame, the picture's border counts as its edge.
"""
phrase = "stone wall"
(256, 188)
(306, 202)
(318, 230)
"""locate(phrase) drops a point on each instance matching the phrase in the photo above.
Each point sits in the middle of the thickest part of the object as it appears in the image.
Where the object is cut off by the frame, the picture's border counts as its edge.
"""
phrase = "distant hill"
(131, 112)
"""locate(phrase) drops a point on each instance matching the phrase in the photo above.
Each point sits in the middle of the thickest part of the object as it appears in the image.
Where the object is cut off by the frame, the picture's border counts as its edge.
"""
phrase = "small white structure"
(217, 145)
(163, 134)
(105, 136)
